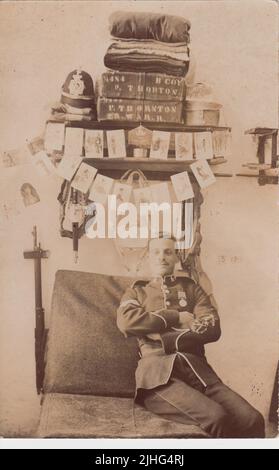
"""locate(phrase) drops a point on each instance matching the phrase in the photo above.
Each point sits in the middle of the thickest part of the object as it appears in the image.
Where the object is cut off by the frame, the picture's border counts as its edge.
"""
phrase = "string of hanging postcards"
(63, 149)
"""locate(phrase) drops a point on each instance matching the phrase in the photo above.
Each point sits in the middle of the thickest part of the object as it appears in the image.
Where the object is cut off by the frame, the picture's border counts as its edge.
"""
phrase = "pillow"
(165, 28)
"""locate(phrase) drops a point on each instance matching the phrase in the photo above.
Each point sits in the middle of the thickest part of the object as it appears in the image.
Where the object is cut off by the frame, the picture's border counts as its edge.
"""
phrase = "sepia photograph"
(84, 178)
(182, 186)
(184, 146)
(116, 144)
(94, 143)
(160, 145)
(203, 145)
(203, 173)
(139, 258)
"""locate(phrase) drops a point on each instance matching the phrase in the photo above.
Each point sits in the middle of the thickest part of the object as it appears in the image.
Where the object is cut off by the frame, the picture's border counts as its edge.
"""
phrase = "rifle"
(37, 254)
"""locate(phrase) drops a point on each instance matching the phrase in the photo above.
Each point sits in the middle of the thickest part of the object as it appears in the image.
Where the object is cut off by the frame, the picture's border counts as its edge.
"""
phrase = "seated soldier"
(172, 319)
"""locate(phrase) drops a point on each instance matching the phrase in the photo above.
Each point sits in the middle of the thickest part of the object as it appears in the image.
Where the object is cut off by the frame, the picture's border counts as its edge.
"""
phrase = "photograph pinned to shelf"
(94, 143)
(182, 186)
(101, 188)
(84, 177)
(203, 145)
(221, 142)
(184, 146)
(160, 145)
(203, 173)
(68, 166)
(74, 141)
(54, 136)
(116, 143)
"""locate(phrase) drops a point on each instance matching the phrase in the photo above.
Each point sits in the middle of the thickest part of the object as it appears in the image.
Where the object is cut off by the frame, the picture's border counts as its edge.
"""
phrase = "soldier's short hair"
(164, 235)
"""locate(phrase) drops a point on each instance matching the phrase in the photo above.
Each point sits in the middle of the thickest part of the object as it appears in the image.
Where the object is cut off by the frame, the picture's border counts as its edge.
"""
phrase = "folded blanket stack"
(148, 56)
(148, 60)
(148, 43)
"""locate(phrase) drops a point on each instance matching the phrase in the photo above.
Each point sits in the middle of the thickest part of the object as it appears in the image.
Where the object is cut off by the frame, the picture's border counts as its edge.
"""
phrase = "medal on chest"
(182, 300)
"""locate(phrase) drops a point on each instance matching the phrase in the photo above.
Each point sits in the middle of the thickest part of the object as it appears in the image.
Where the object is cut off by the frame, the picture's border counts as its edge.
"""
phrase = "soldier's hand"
(202, 324)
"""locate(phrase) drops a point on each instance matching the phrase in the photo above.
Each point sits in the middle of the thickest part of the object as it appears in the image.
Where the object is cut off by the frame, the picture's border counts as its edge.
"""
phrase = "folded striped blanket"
(146, 62)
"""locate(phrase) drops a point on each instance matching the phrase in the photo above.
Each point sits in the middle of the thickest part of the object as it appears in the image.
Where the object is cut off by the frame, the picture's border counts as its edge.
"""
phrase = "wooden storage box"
(138, 86)
(110, 109)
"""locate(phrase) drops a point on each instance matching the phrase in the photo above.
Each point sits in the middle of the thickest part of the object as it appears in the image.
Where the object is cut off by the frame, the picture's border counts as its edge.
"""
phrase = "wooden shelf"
(265, 131)
(128, 125)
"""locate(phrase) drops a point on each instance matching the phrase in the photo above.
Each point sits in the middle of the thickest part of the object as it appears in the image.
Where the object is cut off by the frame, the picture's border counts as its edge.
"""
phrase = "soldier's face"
(162, 256)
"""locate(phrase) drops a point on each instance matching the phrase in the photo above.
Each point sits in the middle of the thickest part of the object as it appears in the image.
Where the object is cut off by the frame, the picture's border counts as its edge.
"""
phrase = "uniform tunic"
(150, 311)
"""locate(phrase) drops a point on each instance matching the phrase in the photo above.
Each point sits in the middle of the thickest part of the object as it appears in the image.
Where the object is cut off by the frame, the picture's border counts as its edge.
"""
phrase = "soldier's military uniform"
(173, 377)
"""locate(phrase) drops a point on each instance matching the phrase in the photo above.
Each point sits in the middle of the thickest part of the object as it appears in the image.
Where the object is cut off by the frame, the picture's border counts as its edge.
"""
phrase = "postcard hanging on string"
(116, 143)
(184, 146)
(160, 193)
(160, 145)
(36, 145)
(182, 186)
(203, 145)
(228, 144)
(43, 164)
(84, 178)
(203, 173)
(73, 141)
(94, 143)
(221, 143)
(54, 136)
(122, 192)
(21, 156)
(68, 166)
(101, 188)
(140, 137)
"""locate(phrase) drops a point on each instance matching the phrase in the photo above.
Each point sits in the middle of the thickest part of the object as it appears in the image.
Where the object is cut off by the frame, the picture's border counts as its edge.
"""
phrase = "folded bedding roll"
(138, 25)
(62, 111)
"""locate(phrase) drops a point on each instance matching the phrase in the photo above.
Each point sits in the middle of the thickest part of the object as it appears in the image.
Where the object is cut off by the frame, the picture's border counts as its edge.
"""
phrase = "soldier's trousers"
(218, 410)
